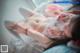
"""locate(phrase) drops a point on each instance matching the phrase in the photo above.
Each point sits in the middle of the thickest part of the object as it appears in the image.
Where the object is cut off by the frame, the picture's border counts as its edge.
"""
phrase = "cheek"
(67, 31)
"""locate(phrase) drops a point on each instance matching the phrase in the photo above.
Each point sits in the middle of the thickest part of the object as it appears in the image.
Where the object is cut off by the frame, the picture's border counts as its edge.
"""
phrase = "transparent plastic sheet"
(37, 45)
(30, 46)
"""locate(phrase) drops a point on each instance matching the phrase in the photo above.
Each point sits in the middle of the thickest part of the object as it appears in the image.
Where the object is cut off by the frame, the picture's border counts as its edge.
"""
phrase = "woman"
(73, 46)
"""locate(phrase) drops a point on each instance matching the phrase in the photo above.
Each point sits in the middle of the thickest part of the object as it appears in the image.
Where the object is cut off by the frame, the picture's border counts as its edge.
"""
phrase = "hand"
(15, 27)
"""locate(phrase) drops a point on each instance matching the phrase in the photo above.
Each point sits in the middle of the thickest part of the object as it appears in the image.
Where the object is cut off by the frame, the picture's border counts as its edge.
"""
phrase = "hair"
(75, 28)
(78, 1)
